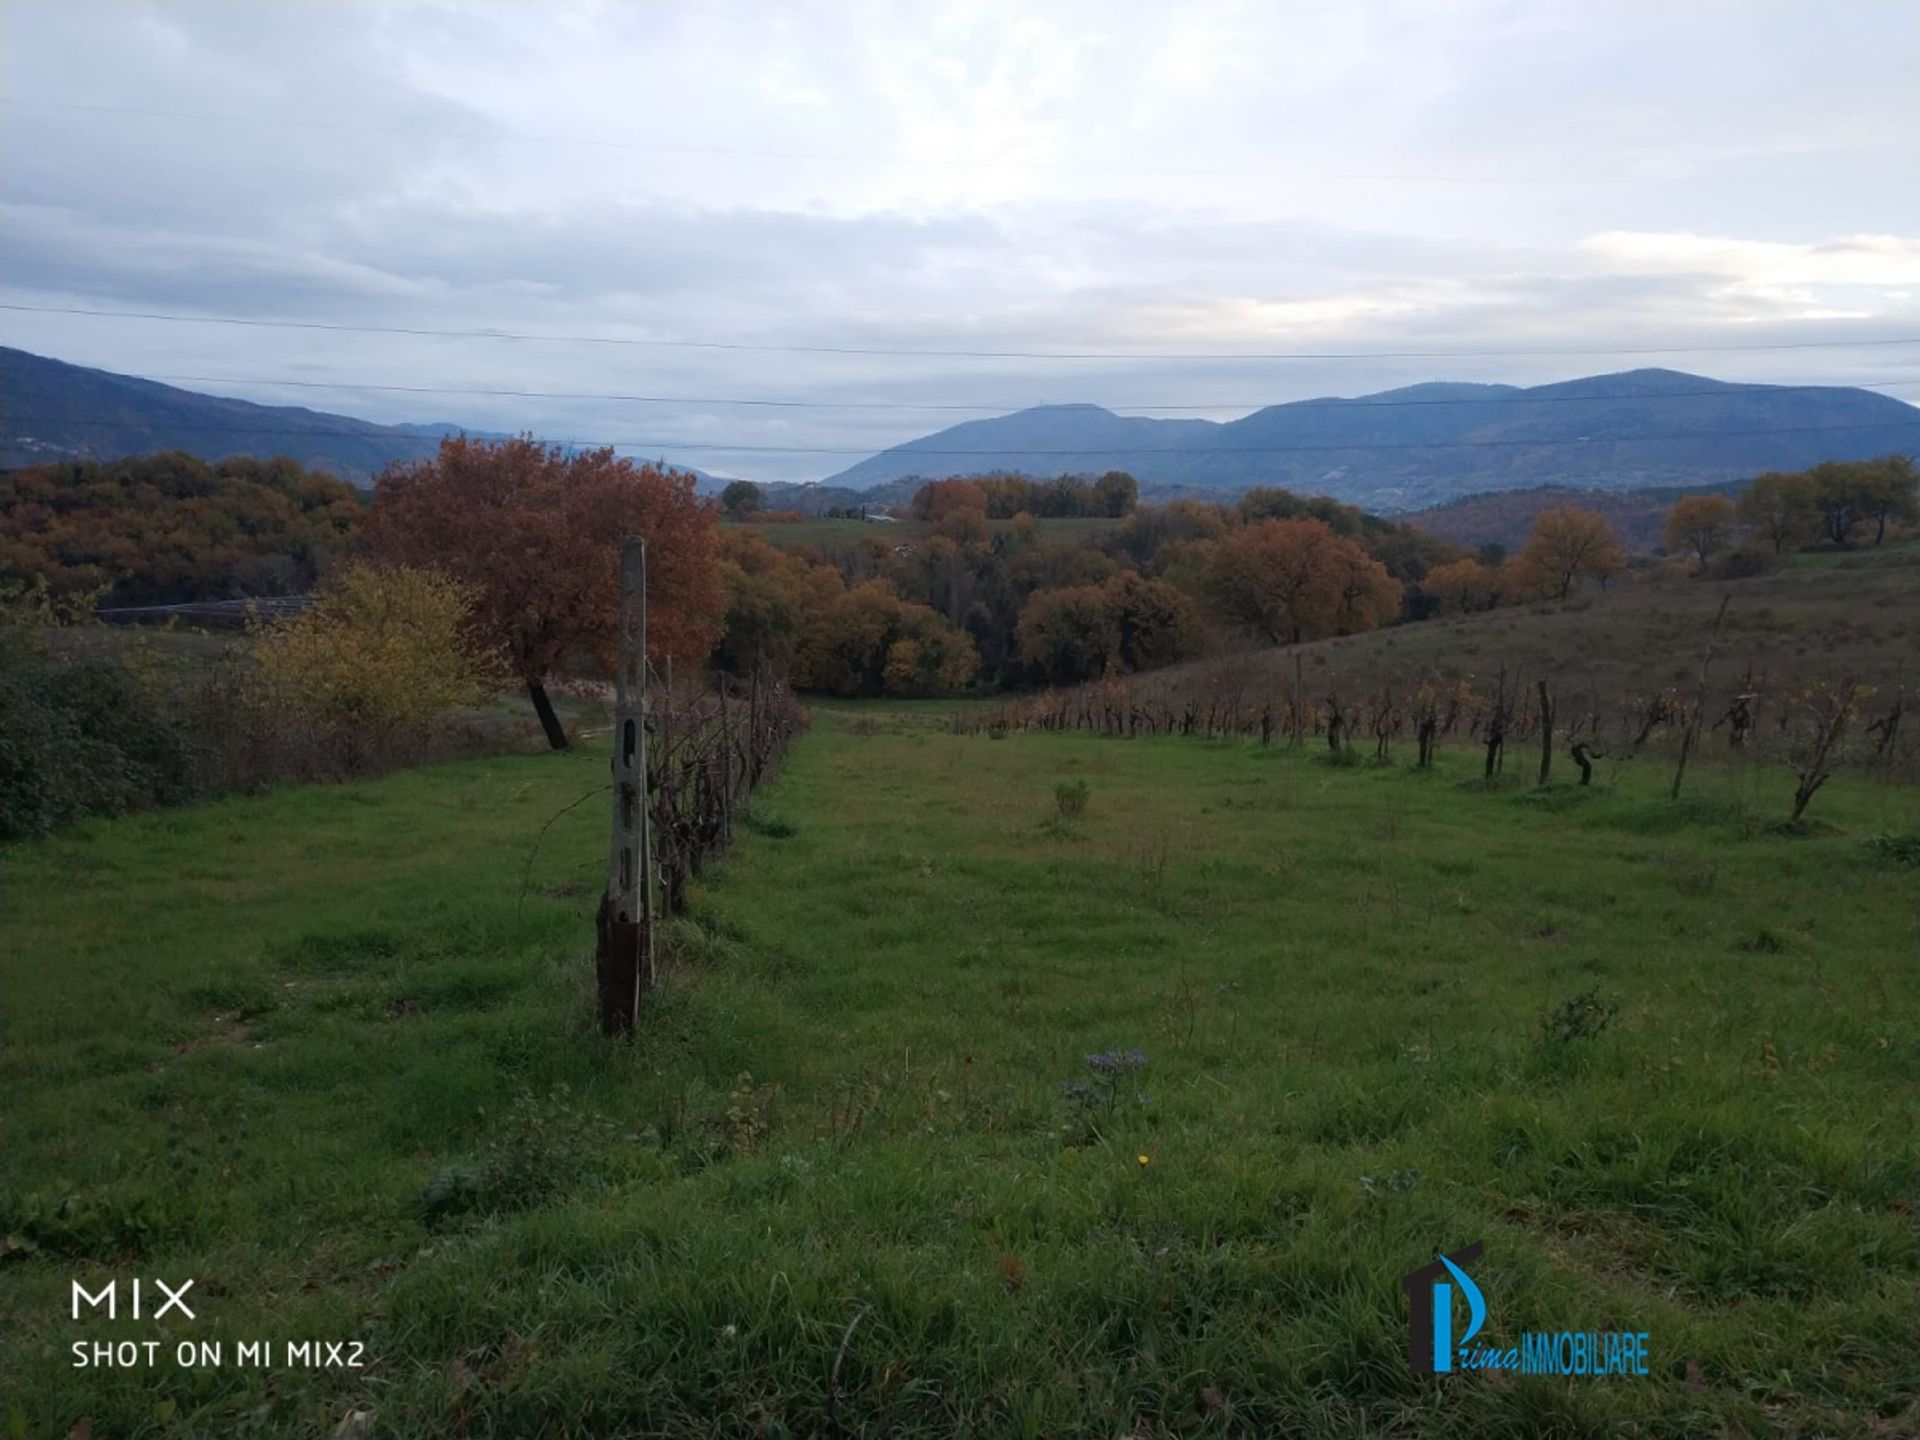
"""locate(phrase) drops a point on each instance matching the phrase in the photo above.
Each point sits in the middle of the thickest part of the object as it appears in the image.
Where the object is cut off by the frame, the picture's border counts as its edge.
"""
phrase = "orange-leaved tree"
(938, 499)
(1294, 580)
(1570, 544)
(868, 641)
(1699, 525)
(1461, 586)
(536, 533)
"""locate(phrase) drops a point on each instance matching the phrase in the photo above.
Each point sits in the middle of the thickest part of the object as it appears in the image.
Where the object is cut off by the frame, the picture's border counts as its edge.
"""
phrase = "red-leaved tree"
(536, 532)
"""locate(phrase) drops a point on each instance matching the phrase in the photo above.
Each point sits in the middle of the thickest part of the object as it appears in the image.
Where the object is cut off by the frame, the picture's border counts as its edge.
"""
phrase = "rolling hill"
(1424, 445)
(51, 411)
(1400, 450)
(1505, 517)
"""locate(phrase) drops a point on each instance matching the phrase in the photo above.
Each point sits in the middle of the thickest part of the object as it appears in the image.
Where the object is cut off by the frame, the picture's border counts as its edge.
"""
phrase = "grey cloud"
(436, 202)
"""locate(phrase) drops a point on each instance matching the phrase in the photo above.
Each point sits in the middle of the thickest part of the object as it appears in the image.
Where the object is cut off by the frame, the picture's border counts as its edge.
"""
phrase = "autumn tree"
(1569, 544)
(1780, 509)
(1849, 494)
(773, 595)
(868, 641)
(742, 499)
(1698, 525)
(1294, 580)
(1890, 491)
(1153, 535)
(939, 498)
(1369, 595)
(536, 533)
(1116, 493)
(1065, 634)
(1129, 623)
(1152, 622)
(1463, 586)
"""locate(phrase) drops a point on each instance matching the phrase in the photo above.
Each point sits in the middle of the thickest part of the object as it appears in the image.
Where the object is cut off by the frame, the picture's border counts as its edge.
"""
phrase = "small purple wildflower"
(1111, 1064)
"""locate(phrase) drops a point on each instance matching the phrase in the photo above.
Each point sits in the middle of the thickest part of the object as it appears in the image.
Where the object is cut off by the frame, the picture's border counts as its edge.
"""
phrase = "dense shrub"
(1744, 564)
(365, 681)
(381, 653)
(84, 737)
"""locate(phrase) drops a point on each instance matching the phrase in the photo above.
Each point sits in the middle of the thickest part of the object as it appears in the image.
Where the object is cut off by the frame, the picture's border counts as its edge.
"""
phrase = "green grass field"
(316, 1051)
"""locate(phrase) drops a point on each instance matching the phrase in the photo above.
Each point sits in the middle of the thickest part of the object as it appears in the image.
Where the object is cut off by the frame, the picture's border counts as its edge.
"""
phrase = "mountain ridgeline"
(1393, 452)
(1423, 445)
(52, 411)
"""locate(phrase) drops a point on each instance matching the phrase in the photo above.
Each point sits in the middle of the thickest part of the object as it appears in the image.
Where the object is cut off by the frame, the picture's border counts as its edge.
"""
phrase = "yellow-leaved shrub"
(383, 650)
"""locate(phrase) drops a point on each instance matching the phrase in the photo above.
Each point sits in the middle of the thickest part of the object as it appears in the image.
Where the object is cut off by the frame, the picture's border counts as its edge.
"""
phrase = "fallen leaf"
(1013, 1272)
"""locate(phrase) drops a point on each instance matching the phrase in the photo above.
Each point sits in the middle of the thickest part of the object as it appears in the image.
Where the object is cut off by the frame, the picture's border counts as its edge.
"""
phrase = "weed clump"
(1070, 799)
(540, 1152)
(774, 827)
(90, 1226)
(1692, 876)
(1095, 1106)
(1896, 849)
(1584, 1016)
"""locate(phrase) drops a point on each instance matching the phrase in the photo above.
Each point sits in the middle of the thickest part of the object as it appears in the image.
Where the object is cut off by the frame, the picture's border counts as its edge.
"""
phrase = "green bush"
(85, 737)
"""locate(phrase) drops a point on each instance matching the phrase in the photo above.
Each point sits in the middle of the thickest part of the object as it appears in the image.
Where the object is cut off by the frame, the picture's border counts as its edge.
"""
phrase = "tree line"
(981, 594)
(169, 527)
(1835, 503)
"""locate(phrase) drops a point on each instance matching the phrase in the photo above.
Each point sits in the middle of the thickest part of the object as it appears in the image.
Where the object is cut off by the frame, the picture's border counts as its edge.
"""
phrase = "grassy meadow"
(329, 1052)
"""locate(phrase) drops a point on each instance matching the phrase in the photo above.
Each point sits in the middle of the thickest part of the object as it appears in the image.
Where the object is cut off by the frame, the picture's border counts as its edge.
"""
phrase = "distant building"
(872, 518)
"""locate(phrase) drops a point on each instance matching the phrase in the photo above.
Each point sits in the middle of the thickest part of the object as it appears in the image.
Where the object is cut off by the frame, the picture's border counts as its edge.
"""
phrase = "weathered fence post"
(1546, 733)
(624, 960)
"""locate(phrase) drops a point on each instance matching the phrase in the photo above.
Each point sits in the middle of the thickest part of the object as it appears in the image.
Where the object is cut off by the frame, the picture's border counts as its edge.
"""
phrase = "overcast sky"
(1108, 177)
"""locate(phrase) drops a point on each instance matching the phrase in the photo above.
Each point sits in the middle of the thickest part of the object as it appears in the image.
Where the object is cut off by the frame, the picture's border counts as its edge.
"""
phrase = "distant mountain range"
(1426, 444)
(1396, 451)
(50, 410)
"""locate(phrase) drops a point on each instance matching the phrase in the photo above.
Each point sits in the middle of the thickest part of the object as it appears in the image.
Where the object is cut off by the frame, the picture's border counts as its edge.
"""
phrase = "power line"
(1002, 407)
(1560, 178)
(1005, 450)
(1217, 357)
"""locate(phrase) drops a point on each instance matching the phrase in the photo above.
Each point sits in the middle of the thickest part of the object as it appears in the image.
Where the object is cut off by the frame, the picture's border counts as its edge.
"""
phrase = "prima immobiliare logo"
(1435, 1346)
